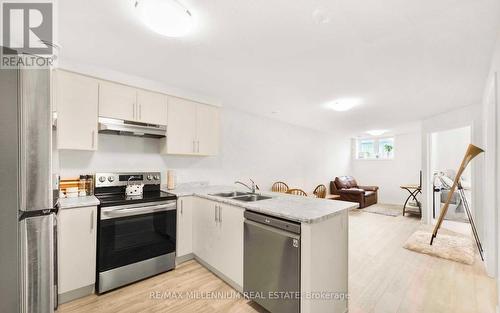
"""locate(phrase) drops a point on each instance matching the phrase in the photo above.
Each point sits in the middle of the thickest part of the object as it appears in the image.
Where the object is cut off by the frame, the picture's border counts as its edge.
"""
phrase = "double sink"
(241, 196)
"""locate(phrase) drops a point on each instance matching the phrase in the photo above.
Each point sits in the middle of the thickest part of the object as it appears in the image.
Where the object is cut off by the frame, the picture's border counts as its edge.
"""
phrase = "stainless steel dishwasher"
(271, 274)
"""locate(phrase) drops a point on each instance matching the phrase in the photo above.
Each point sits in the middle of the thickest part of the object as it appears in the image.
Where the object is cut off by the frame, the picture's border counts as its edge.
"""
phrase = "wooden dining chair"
(279, 187)
(297, 192)
(320, 191)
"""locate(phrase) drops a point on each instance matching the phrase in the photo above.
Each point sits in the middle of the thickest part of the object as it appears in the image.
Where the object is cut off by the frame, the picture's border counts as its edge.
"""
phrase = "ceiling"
(406, 59)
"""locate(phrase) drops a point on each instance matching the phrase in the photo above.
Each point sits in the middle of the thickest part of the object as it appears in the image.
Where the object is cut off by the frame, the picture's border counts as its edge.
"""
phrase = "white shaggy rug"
(446, 245)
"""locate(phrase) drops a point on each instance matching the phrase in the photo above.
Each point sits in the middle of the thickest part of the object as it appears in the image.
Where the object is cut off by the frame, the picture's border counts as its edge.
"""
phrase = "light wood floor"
(383, 277)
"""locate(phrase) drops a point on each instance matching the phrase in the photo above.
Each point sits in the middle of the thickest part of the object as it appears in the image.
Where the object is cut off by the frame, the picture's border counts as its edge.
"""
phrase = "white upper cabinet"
(132, 104)
(76, 98)
(117, 101)
(207, 129)
(151, 107)
(192, 128)
(181, 127)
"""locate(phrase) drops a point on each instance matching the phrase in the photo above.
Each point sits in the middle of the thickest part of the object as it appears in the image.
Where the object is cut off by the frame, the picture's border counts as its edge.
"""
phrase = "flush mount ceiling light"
(376, 132)
(344, 104)
(165, 17)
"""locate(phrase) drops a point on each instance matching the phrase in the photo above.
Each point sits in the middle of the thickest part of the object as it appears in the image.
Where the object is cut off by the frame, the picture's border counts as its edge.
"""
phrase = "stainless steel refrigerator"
(27, 210)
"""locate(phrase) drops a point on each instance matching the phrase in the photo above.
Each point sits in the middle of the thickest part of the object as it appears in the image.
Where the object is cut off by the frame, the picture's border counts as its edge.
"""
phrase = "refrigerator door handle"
(22, 143)
(56, 265)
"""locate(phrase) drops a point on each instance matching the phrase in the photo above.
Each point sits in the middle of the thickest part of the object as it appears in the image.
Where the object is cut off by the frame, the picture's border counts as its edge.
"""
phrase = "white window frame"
(376, 143)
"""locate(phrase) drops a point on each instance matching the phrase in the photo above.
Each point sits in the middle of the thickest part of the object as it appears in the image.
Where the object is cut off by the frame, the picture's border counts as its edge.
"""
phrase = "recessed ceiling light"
(344, 104)
(376, 132)
(165, 17)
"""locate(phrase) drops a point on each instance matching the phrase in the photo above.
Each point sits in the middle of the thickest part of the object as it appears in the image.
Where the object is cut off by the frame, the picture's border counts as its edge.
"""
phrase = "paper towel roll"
(171, 179)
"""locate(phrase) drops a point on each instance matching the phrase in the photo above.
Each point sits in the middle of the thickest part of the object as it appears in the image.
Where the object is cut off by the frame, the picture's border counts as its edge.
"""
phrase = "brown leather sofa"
(349, 190)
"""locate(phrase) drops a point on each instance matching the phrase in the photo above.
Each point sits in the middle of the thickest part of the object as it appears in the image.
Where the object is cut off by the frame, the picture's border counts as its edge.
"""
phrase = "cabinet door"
(181, 127)
(184, 226)
(205, 230)
(76, 248)
(151, 107)
(207, 129)
(231, 243)
(77, 102)
(117, 101)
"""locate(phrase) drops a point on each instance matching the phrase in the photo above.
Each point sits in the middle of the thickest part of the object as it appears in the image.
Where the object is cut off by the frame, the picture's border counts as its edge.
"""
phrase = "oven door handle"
(107, 214)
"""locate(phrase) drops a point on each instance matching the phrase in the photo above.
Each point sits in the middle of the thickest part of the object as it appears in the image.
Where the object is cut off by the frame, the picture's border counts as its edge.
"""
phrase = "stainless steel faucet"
(252, 189)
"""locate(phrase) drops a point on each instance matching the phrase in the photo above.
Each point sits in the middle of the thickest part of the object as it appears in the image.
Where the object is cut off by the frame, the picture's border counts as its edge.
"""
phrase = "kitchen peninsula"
(211, 222)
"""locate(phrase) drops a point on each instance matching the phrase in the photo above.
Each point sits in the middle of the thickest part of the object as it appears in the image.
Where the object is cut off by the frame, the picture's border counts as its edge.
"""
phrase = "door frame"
(453, 225)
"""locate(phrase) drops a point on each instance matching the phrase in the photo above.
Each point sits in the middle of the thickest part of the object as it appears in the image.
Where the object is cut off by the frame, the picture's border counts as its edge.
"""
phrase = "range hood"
(128, 128)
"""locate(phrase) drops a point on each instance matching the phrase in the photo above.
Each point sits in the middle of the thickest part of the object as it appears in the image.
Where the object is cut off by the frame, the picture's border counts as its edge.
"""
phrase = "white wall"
(448, 148)
(491, 179)
(251, 146)
(390, 174)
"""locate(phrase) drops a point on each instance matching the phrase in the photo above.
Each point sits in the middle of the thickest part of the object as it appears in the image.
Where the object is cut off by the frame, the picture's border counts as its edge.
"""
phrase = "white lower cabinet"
(218, 237)
(184, 226)
(76, 248)
(205, 230)
(231, 242)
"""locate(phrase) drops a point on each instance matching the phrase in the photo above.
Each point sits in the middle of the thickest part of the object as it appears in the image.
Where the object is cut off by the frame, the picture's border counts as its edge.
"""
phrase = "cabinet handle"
(220, 214)
(182, 207)
(93, 138)
(91, 220)
(216, 218)
(194, 146)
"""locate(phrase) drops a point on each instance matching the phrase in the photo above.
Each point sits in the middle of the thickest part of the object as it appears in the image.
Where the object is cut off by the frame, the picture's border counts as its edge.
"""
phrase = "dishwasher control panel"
(272, 221)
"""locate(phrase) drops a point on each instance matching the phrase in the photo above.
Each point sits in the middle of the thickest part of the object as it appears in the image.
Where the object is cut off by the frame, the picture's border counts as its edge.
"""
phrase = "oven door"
(136, 232)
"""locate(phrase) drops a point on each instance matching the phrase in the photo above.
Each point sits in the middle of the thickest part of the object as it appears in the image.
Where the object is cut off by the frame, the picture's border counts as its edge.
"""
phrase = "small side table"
(414, 190)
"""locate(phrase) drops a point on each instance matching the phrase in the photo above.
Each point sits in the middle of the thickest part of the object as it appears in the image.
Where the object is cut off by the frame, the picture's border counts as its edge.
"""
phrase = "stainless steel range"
(136, 235)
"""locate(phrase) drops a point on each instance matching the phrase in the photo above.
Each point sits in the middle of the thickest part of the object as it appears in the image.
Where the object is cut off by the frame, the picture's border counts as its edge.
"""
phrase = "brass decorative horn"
(471, 153)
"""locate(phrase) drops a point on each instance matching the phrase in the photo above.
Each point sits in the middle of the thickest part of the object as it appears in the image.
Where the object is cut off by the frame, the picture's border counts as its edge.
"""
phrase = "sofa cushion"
(345, 182)
(352, 182)
(342, 183)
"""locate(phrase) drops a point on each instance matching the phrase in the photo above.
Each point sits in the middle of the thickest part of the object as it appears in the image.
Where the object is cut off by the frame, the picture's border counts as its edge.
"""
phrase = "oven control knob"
(157, 177)
(150, 177)
(111, 179)
(102, 179)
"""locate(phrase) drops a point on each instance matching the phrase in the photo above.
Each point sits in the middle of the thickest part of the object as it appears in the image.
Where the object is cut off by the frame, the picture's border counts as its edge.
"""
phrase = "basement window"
(375, 148)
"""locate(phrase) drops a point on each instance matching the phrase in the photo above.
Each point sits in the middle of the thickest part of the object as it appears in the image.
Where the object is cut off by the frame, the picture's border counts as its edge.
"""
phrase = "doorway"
(447, 149)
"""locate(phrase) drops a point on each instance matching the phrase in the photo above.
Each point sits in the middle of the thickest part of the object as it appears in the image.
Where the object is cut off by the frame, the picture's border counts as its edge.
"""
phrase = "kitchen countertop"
(296, 208)
(78, 202)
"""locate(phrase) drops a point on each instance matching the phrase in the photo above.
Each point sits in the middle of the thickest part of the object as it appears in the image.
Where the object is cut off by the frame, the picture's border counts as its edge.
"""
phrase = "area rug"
(448, 245)
(384, 209)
